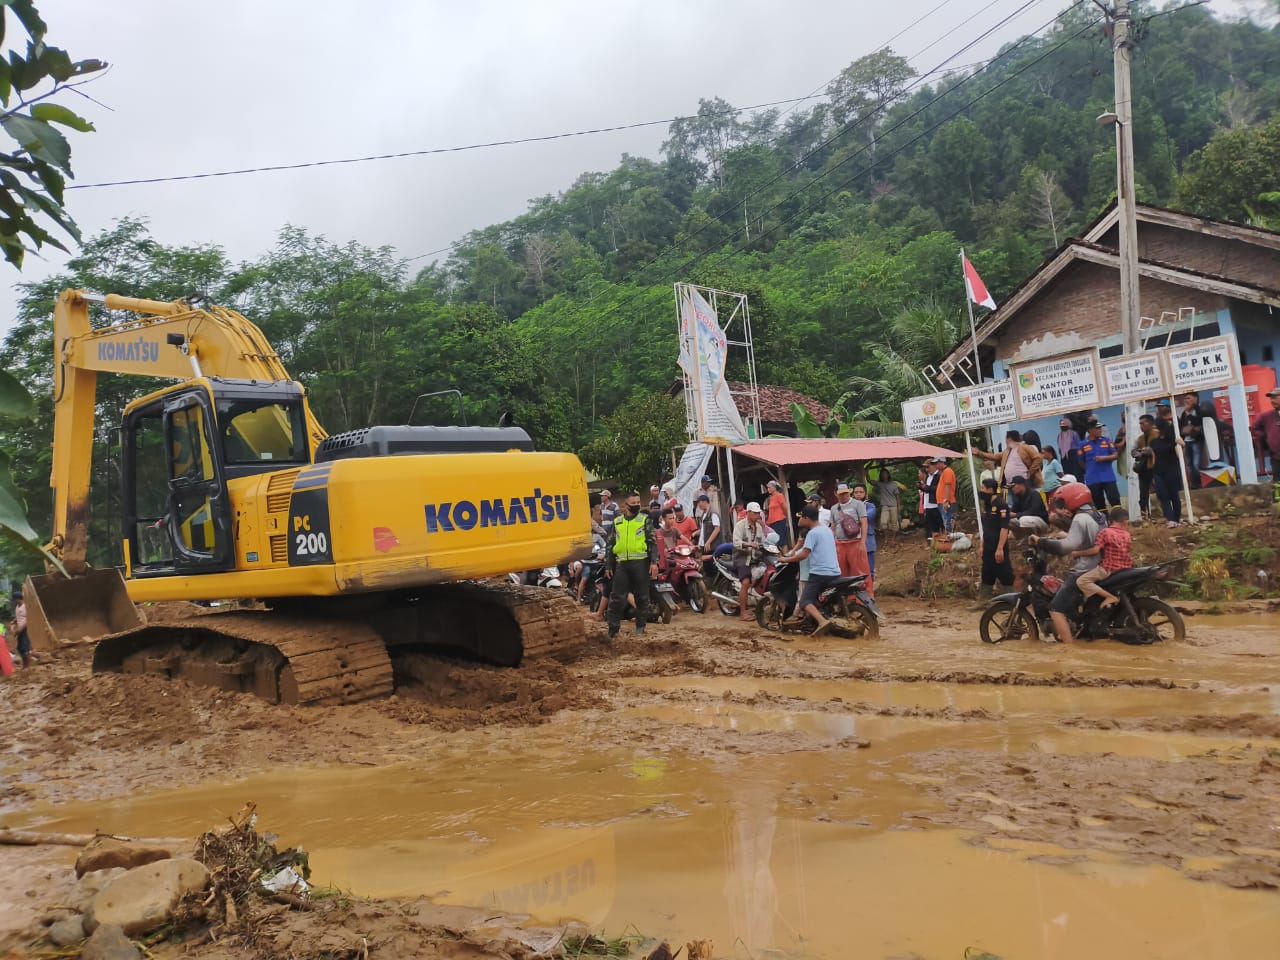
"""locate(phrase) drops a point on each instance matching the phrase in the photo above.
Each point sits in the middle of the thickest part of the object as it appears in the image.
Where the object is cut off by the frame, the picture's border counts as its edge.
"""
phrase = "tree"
(865, 88)
(1227, 176)
(32, 184)
(633, 446)
(33, 176)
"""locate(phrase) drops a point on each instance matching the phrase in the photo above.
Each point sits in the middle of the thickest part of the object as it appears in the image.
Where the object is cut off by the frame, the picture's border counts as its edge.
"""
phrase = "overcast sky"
(197, 87)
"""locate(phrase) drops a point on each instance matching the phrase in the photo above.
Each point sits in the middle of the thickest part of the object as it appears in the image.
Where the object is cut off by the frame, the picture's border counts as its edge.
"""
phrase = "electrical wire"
(271, 168)
(879, 108)
(683, 268)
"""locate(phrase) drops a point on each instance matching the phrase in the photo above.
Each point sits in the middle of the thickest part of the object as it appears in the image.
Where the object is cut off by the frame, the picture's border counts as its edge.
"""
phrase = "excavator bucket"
(87, 607)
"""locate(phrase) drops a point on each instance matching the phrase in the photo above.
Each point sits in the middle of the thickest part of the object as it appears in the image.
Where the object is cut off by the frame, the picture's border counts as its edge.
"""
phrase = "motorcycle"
(844, 604)
(1137, 619)
(685, 576)
(592, 578)
(548, 577)
(726, 585)
(662, 597)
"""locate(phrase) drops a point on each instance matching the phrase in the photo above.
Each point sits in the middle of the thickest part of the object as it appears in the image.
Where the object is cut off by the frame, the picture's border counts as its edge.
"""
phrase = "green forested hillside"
(842, 218)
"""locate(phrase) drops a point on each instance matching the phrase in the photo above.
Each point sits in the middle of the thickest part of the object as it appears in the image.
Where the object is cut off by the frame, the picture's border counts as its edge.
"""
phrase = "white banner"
(1063, 384)
(986, 404)
(930, 415)
(1134, 378)
(1202, 364)
(703, 346)
(689, 473)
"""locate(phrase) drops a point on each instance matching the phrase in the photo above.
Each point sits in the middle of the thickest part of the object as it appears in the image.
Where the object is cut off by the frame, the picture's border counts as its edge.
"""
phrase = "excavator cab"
(180, 447)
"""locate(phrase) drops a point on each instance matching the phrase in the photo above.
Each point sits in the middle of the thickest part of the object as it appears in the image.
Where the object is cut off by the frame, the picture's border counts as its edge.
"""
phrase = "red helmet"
(1071, 496)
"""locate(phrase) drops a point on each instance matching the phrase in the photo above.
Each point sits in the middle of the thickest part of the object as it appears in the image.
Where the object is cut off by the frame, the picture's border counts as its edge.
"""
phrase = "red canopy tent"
(831, 453)
(804, 459)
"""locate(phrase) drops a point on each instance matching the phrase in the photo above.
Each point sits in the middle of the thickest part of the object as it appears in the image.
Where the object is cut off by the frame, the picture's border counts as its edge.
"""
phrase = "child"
(1115, 544)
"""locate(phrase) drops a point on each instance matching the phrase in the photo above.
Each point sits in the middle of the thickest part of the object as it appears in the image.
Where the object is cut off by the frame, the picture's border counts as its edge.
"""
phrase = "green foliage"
(633, 447)
(1235, 175)
(842, 223)
(33, 174)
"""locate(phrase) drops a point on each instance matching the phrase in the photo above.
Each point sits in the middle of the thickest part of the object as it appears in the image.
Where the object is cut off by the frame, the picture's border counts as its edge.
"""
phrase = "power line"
(271, 168)
(795, 102)
(879, 108)
(686, 265)
(839, 132)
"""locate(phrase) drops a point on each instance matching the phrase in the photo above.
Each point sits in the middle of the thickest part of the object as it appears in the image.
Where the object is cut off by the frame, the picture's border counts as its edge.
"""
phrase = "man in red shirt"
(686, 525)
(1266, 431)
(775, 516)
(1115, 543)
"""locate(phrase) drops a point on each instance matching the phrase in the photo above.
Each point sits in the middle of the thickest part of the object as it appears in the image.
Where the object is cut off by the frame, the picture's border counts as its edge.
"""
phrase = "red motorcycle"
(685, 574)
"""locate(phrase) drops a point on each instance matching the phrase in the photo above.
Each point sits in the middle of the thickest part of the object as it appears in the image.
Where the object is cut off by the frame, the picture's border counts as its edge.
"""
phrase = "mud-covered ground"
(1167, 755)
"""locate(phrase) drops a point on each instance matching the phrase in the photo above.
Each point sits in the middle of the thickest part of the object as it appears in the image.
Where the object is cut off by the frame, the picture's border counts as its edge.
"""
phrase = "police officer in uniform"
(632, 562)
(996, 568)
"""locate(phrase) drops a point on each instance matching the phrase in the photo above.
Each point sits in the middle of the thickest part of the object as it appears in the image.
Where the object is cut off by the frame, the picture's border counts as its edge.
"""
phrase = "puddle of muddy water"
(902, 735)
(793, 853)
(997, 698)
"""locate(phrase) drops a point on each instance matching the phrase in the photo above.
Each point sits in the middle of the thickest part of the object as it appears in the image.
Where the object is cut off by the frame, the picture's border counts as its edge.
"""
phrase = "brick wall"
(1085, 301)
(1233, 259)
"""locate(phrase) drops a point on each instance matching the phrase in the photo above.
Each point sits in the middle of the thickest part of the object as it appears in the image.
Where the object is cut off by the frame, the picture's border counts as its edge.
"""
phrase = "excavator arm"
(171, 340)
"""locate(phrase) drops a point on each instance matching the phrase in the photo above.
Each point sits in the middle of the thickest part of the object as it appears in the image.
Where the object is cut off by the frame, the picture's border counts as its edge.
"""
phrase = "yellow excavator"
(350, 547)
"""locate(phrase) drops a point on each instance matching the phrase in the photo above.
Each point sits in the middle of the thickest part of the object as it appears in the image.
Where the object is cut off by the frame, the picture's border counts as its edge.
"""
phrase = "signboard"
(930, 415)
(986, 404)
(1134, 378)
(1043, 388)
(1202, 364)
(703, 353)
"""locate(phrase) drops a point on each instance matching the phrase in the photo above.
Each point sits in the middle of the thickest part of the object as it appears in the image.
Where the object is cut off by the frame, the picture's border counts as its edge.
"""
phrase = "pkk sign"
(926, 416)
(1202, 364)
(1134, 378)
(1057, 385)
(986, 404)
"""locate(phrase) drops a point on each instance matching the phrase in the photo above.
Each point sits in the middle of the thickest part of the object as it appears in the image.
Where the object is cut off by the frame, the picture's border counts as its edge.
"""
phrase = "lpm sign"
(1134, 378)
(986, 404)
(1202, 364)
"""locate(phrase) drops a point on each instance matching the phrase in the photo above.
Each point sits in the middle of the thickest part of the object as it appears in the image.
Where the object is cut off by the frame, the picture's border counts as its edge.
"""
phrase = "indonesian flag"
(974, 286)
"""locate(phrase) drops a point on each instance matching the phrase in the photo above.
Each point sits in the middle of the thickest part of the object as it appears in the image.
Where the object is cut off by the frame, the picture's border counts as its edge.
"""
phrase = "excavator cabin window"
(254, 431)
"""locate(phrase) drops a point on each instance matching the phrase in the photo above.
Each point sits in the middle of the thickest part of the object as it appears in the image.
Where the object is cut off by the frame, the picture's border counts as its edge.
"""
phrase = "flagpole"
(977, 372)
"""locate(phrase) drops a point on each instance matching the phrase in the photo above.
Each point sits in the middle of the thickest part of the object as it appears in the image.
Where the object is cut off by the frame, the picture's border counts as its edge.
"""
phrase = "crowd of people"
(637, 542)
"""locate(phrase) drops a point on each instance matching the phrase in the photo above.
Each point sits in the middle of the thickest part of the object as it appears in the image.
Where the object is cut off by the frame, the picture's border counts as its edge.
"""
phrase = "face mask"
(633, 509)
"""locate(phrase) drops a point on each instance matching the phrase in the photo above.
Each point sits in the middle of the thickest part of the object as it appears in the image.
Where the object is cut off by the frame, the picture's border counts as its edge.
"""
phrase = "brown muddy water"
(797, 854)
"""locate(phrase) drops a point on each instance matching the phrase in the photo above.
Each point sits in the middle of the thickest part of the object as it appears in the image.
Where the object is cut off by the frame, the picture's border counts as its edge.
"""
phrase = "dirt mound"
(454, 695)
(1106, 802)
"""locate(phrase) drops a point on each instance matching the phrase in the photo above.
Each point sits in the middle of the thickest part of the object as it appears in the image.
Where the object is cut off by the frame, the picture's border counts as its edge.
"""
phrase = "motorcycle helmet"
(1071, 496)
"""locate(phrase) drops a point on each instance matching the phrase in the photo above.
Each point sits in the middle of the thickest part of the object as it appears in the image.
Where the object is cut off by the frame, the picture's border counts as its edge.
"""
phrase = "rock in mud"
(106, 853)
(109, 943)
(66, 931)
(141, 900)
(91, 884)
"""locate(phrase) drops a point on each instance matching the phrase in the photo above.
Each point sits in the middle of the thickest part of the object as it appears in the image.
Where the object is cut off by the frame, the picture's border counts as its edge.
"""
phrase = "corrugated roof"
(791, 453)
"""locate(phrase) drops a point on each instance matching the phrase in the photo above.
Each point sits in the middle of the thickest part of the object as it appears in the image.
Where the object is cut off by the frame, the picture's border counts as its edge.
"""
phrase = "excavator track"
(281, 659)
(341, 652)
(495, 621)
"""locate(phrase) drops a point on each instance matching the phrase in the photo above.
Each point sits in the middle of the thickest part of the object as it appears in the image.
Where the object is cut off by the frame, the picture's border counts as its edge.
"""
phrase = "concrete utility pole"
(1130, 310)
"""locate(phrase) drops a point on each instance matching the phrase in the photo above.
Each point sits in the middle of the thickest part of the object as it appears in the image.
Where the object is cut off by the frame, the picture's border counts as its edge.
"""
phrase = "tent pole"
(791, 527)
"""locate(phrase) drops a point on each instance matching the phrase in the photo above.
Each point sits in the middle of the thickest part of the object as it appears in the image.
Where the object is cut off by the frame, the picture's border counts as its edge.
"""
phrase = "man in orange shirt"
(775, 516)
(946, 494)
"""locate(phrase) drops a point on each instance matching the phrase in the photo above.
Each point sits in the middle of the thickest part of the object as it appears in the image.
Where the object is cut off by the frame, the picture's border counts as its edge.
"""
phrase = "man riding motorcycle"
(1076, 501)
